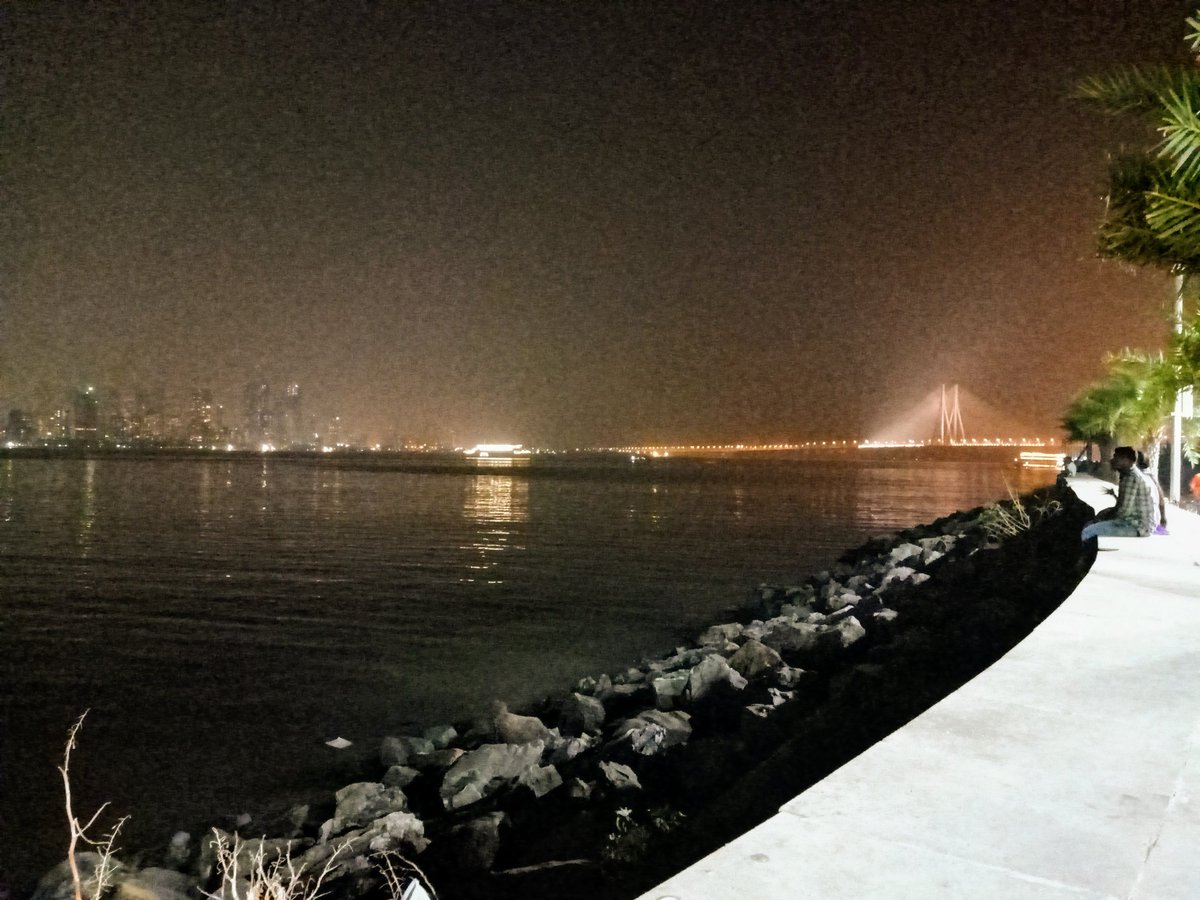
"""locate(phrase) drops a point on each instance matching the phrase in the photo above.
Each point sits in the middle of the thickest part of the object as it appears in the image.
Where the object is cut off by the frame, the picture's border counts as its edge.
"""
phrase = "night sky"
(569, 223)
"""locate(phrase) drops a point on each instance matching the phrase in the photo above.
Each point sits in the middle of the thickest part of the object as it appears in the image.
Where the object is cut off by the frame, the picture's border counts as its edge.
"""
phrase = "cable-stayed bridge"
(952, 416)
(947, 417)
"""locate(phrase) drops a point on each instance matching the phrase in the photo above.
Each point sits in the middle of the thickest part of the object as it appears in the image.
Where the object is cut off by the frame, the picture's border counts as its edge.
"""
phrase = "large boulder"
(400, 776)
(713, 672)
(473, 845)
(620, 776)
(394, 831)
(904, 551)
(396, 751)
(364, 802)
(514, 729)
(654, 730)
(541, 780)
(719, 635)
(482, 772)
(785, 636)
(581, 715)
(438, 759)
(57, 884)
(849, 630)
(441, 736)
(148, 885)
(570, 748)
(754, 658)
(669, 688)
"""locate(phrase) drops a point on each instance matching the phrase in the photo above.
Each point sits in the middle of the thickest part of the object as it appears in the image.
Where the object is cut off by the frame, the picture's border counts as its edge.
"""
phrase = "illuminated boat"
(498, 454)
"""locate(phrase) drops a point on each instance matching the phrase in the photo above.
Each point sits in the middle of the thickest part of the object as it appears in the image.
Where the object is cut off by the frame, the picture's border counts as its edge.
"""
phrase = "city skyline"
(571, 224)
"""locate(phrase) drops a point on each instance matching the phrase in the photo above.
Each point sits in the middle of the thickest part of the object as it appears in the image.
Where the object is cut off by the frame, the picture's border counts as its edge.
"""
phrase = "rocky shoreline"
(608, 788)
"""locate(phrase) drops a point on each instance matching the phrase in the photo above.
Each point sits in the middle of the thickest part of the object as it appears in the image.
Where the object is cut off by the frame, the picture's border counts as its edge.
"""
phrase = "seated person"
(1135, 512)
(1160, 507)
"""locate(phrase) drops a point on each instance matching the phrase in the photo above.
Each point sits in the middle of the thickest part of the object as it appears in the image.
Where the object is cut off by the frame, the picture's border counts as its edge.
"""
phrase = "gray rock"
(395, 751)
(57, 884)
(540, 779)
(886, 615)
(938, 544)
(719, 634)
(346, 853)
(581, 715)
(579, 789)
(683, 658)
(441, 736)
(364, 802)
(842, 600)
(795, 610)
(778, 698)
(654, 730)
(620, 776)
(155, 884)
(899, 573)
(570, 748)
(788, 676)
(901, 552)
(669, 688)
(397, 829)
(400, 776)
(514, 729)
(438, 759)
(849, 630)
(474, 844)
(755, 630)
(787, 636)
(485, 771)
(586, 685)
(713, 671)
(179, 851)
(754, 658)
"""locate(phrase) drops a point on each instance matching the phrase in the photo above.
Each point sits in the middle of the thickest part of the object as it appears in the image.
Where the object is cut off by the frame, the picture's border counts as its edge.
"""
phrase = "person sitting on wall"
(1160, 502)
(1134, 514)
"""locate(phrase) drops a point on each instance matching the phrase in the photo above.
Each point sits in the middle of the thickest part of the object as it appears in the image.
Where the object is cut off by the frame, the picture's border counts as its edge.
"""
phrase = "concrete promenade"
(1069, 769)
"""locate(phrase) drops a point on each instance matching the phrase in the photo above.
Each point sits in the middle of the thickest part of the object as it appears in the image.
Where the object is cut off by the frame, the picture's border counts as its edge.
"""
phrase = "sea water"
(222, 619)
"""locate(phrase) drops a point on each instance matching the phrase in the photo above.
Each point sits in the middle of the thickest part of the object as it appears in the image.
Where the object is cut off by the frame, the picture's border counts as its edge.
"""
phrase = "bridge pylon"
(950, 424)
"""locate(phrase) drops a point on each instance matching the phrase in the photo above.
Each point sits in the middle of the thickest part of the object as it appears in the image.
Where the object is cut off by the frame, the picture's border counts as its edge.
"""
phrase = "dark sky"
(570, 222)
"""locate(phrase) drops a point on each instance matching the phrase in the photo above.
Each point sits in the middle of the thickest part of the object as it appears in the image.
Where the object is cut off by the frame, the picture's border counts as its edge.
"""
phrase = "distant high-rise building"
(289, 421)
(85, 415)
(256, 414)
(19, 428)
(203, 428)
(59, 426)
(333, 436)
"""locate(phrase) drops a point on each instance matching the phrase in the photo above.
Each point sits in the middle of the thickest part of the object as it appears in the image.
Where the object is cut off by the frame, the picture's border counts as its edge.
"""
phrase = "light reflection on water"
(495, 505)
(220, 616)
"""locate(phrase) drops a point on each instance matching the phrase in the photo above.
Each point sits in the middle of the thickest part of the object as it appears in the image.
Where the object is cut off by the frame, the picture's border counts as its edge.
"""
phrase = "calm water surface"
(221, 619)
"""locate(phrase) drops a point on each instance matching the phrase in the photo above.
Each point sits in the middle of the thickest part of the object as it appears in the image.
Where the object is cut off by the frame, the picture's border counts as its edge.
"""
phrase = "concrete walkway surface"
(1068, 769)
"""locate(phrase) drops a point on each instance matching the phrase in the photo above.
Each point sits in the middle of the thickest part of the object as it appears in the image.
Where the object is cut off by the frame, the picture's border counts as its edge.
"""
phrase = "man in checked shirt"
(1134, 514)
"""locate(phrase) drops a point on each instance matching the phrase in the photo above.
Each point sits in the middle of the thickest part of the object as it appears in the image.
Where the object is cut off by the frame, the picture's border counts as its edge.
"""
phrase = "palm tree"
(1129, 406)
(1153, 212)
(1153, 215)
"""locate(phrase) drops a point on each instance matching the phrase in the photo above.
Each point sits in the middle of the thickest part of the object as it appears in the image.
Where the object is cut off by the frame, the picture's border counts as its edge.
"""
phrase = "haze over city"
(568, 224)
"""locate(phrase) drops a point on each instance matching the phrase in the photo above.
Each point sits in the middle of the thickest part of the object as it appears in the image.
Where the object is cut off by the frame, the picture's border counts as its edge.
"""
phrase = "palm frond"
(1193, 37)
(1143, 194)
(1136, 89)
(1176, 220)
(1181, 131)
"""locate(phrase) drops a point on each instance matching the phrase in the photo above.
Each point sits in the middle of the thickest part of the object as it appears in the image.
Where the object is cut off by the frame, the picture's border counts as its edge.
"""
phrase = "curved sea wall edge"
(608, 788)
